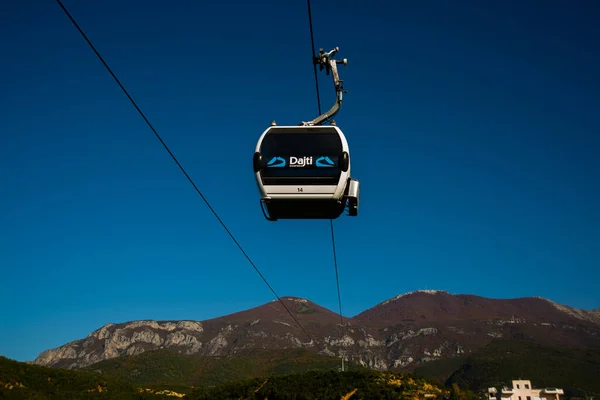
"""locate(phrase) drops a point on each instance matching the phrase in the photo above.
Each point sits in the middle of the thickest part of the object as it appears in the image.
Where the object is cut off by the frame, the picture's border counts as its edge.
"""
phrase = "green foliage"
(440, 370)
(25, 381)
(161, 367)
(301, 374)
(574, 370)
(456, 393)
(165, 367)
(304, 309)
(365, 384)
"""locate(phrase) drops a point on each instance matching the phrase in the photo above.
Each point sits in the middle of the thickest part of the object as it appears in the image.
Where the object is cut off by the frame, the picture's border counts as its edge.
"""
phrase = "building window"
(528, 397)
(519, 397)
(518, 386)
(526, 386)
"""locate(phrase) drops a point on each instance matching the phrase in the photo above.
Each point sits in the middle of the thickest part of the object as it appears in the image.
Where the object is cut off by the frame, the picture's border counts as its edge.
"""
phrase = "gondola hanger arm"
(325, 60)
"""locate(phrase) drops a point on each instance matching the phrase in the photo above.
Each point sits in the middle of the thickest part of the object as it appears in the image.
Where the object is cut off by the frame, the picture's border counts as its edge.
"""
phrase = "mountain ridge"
(402, 332)
(590, 312)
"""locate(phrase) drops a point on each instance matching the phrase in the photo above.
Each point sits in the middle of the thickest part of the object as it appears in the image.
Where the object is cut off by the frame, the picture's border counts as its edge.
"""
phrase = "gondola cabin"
(303, 172)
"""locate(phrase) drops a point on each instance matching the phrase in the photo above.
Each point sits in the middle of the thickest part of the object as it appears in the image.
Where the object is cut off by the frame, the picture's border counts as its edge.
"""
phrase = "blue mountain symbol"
(324, 162)
(273, 161)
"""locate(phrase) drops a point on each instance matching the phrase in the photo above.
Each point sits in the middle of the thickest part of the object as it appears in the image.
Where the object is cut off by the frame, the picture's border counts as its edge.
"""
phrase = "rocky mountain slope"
(402, 332)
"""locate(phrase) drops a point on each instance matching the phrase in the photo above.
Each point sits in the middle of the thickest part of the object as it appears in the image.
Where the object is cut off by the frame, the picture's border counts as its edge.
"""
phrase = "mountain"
(441, 306)
(266, 326)
(401, 333)
(423, 326)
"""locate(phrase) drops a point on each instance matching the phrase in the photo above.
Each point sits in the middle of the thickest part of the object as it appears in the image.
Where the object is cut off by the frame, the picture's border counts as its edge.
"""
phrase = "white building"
(522, 390)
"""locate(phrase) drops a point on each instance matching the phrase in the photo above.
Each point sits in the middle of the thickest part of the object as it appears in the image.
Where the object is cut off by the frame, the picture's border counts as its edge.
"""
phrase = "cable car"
(303, 172)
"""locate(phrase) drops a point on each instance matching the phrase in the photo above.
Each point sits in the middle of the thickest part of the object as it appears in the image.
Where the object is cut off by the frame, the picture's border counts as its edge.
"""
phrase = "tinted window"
(314, 155)
(301, 144)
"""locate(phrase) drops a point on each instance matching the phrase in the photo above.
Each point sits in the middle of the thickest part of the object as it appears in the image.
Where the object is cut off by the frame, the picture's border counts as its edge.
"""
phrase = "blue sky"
(473, 129)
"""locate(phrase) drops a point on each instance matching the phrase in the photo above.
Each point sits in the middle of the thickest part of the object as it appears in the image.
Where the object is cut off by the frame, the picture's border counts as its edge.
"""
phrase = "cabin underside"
(302, 209)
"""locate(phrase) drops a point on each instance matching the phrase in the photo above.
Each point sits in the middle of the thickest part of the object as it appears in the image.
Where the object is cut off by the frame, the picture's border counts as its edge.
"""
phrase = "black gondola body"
(303, 172)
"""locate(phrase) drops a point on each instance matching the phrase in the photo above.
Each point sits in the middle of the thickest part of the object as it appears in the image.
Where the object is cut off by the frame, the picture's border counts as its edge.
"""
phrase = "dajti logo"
(324, 162)
(276, 162)
(300, 161)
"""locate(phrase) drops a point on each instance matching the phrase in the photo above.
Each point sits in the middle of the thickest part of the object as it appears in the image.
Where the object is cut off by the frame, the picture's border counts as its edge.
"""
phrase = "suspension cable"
(335, 264)
(184, 172)
(314, 56)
